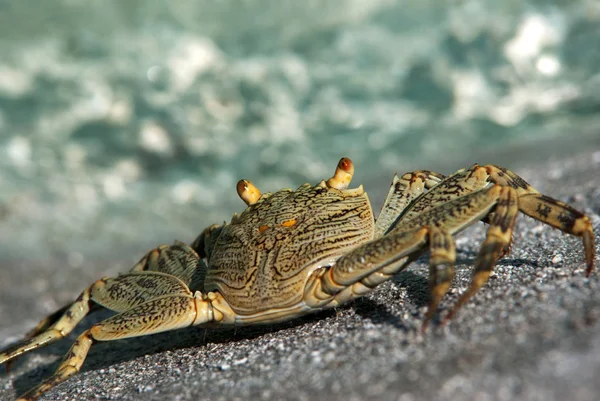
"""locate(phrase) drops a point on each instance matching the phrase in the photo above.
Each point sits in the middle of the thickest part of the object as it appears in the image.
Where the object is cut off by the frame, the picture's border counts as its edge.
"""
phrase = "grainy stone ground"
(531, 334)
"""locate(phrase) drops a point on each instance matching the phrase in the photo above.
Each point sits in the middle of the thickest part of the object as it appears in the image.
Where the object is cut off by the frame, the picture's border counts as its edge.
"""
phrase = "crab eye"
(248, 192)
(346, 165)
(343, 174)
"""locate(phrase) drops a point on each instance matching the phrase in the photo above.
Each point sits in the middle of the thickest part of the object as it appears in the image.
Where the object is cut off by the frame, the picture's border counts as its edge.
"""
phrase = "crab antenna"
(343, 174)
(248, 192)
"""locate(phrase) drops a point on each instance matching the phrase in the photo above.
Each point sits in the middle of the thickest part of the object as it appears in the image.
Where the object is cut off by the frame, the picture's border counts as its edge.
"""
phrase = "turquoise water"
(124, 124)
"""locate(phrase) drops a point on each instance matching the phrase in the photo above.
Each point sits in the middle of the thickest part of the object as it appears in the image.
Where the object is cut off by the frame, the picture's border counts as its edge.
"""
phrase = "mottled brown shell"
(262, 259)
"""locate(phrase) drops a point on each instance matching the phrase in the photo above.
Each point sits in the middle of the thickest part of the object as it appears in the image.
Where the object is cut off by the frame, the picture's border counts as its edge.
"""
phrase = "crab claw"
(248, 192)
(343, 174)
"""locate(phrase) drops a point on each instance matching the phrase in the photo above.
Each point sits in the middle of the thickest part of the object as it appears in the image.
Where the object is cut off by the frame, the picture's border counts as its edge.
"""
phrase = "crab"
(290, 253)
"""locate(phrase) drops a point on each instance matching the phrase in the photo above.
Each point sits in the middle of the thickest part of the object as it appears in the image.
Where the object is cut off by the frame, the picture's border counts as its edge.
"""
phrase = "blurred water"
(124, 124)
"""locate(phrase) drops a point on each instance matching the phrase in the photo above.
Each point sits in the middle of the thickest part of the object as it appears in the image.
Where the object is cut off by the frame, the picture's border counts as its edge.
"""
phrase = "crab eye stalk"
(248, 192)
(343, 174)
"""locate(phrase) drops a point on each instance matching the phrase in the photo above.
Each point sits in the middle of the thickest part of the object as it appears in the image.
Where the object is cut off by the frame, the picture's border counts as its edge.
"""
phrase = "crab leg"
(548, 210)
(403, 191)
(154, 297)
(70, 366)
(497, 241)
(117, 294)
(152, 261)
(169, 312)
(361, 270)
(459, 184)
(178, 260)
(531, 202)
(368, 265)
(46, 322)
(441, 268)
(58, 330)
(150, 302)
(563, 217)
(42, 326)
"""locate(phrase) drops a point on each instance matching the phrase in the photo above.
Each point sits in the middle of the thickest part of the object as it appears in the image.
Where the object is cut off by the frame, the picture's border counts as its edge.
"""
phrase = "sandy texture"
(531, 334)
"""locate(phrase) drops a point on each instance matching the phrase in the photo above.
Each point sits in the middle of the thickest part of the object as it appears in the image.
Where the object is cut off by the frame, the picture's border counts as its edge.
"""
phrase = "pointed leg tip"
(429, 315)
(445, 321)
(451, 314)
(589, 268)
(9, 364)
